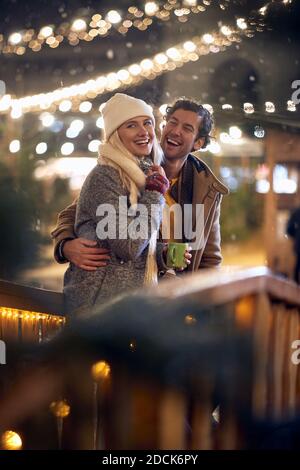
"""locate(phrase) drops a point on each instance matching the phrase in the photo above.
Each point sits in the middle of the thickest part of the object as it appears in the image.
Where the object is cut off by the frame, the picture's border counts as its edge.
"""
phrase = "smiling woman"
(137, 135)
(129, 141)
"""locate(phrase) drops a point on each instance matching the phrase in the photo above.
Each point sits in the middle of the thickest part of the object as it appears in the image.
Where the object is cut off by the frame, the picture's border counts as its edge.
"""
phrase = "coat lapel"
(198, 185)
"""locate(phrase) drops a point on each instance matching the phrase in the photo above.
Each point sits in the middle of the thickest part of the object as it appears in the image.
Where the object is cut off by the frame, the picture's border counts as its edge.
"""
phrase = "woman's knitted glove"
(157, 182)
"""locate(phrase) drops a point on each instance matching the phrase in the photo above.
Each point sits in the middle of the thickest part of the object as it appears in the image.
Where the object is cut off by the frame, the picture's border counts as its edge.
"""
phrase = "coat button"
(122, 261)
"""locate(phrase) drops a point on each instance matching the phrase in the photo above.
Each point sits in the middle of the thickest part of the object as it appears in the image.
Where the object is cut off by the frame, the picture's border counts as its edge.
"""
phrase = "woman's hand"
(156, 180)
(154, 169)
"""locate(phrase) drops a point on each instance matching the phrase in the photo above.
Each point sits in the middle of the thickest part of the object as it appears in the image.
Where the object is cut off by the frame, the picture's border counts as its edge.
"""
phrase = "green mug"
(175, 255)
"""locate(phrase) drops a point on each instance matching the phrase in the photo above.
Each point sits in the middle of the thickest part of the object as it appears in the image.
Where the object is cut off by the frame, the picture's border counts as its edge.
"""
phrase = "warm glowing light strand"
(14, 314)
(147, 69)
(101, 25)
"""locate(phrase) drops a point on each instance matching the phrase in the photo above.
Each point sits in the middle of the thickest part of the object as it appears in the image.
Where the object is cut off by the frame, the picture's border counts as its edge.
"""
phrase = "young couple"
(132, 165)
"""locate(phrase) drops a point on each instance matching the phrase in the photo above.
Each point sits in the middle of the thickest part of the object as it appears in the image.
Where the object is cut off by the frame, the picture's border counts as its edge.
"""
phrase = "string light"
(94, 145)
(214, 147)
(85, 106)
(226, 31)
(67, 148)
(101, 371)
(134, 69)
(47, 119)
(235, 132)
(270, 107)
(173, 53)
(6, 312)
(100, 123)
(226, 106)
(60, 409)
(65, 106)
(113, 17)
(208, 38)
(11, 440)
(291, 106)
(163, 109)
(208, 107)
(46, 31)
(77, 124)
(16, 112)
(96, 26)
(5, 102)
(134, 74)
(15, 38)
(233, 137)
(263, 10)
(41, 148)
(72, 133)
(190, 3)
(248, 108)
(224, 137)
(79, 25)
(14, 146)
(148, 68)
(241, 23)
(151, 8)
(99, 25)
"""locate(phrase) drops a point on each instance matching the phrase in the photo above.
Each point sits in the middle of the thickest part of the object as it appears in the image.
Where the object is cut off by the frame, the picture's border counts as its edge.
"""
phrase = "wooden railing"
(176, 352)
(269, 307)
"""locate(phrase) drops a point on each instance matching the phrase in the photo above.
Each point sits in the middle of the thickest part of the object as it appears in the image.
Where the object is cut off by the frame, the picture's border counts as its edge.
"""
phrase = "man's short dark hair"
(191, 105)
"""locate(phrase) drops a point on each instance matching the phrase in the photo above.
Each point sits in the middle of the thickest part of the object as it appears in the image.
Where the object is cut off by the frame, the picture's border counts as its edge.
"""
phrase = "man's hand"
(187, 257)
(85, 254)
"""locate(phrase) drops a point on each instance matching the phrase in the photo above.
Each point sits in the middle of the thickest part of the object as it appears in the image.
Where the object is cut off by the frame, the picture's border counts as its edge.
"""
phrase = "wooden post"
(262, 321)
(172, 420)
(292, 368)
(280, 321)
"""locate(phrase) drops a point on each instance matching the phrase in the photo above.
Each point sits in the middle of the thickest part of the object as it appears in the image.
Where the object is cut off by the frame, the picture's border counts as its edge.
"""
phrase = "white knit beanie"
(120, 108)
